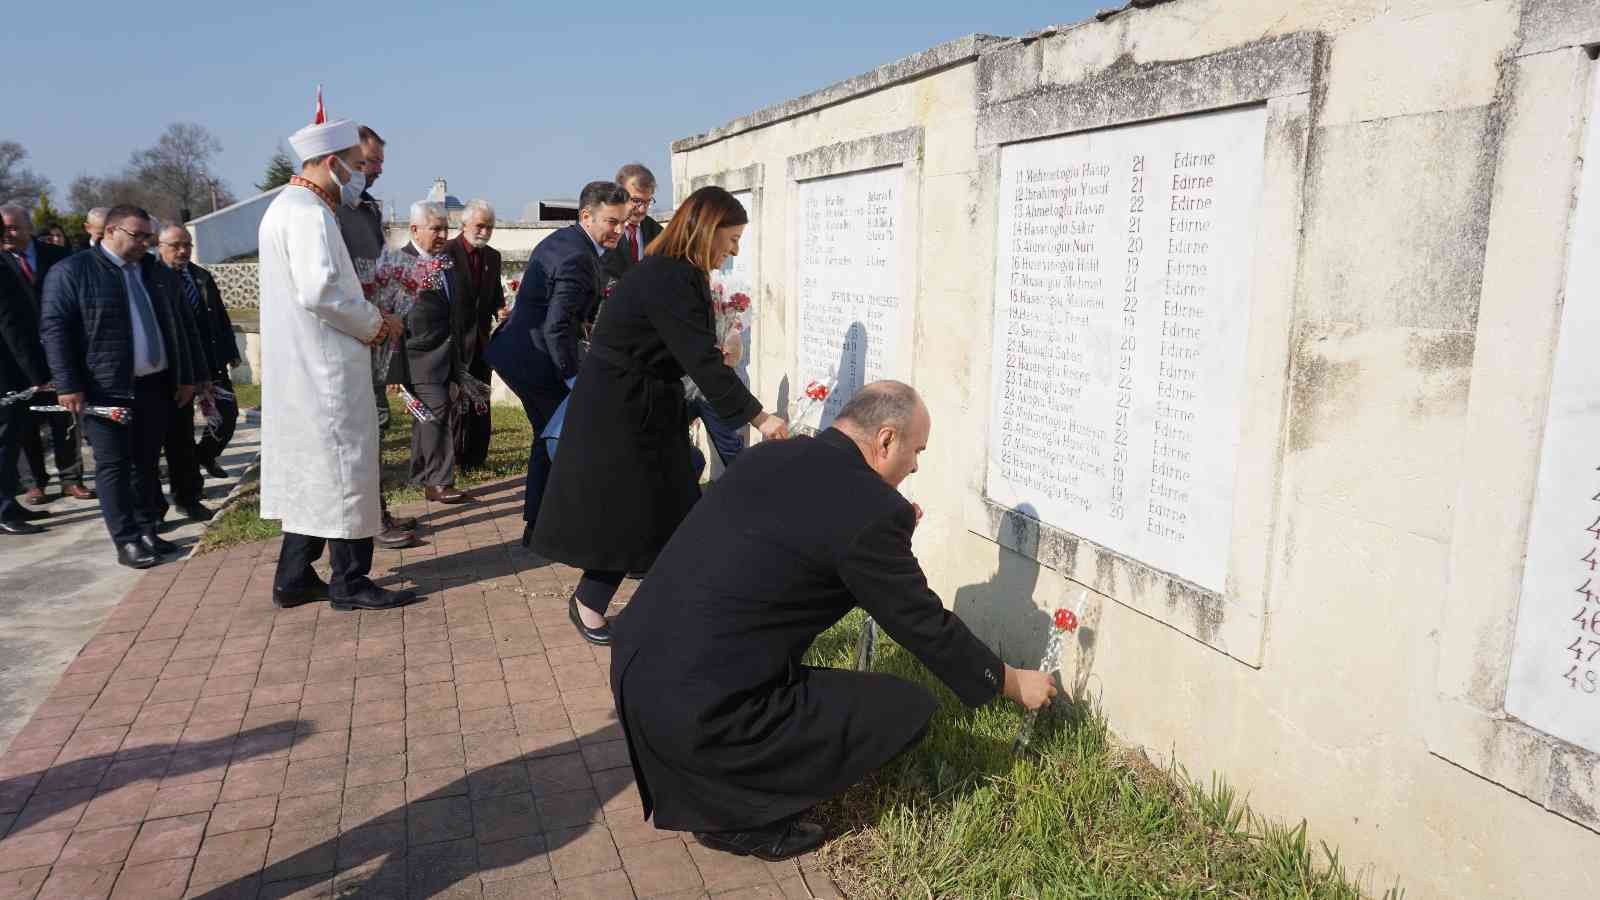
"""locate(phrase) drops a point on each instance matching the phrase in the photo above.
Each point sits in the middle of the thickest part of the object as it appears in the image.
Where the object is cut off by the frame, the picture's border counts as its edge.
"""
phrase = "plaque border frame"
(1524, 281)
(905, 148)
(1280, 74)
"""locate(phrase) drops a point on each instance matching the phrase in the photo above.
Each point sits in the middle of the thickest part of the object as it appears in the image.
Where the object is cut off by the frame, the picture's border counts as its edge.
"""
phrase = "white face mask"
(350, 191)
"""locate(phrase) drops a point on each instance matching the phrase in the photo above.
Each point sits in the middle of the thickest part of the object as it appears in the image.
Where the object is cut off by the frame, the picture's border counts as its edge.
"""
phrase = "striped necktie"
(191, 292)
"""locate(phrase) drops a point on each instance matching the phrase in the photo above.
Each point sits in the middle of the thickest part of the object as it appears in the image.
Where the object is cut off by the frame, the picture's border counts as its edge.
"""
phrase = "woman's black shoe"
(775, 843)
(600, 636)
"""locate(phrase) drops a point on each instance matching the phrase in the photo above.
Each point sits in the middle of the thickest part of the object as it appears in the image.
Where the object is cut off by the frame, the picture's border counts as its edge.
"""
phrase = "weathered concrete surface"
(56, 588)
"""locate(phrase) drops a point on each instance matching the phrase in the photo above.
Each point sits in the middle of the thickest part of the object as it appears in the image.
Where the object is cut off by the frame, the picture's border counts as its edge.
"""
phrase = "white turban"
(320, 140)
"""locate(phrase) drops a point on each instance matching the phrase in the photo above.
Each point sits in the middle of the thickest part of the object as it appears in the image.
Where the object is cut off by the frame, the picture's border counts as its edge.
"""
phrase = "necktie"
(191, 292)
(27, 270)
(147, 314)
(633, 241)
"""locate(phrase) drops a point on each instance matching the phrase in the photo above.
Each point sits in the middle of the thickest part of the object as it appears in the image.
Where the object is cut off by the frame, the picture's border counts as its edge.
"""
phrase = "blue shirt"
(143, 362)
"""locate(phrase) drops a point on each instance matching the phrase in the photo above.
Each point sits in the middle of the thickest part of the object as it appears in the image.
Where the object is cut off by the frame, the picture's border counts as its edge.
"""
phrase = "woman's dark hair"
(690, 233)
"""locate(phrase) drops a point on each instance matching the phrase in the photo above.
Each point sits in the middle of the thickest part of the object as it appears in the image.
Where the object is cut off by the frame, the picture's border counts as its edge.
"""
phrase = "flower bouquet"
(1063, 623)
(121, 415)
(417, 408)
(474, 394)
(206, 402)
(392, 283)
(810, 400)
(729, 310)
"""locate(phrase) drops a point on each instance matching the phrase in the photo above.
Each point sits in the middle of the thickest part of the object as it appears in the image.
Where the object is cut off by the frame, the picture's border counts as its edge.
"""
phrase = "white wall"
(230, 231)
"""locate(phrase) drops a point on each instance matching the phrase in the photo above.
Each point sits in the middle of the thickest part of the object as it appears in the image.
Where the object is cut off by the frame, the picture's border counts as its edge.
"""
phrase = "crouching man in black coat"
(730, 736)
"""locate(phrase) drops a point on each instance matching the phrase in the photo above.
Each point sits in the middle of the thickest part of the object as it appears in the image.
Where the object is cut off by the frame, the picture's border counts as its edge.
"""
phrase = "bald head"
(176, 246)
(890, 424)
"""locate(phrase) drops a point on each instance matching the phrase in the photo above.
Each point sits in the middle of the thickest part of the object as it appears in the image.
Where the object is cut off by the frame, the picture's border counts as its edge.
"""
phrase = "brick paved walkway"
(205, 744)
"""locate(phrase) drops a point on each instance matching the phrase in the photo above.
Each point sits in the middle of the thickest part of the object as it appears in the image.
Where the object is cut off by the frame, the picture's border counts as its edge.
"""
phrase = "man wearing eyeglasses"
(640, 229)
(112, 335)
(218, 350)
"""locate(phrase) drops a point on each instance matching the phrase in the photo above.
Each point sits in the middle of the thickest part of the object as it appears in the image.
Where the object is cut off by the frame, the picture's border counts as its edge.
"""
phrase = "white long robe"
(319, 430)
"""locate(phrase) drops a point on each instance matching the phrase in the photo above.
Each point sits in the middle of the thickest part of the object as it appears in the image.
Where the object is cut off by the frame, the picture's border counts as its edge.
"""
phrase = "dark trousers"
(13, 420)
(211, 445)
(127, 459)
(183, 463)
(726, 438)
(351, 558)
(595, 589)
(472, 447)
(63, 441)
(540, 402)
(433, 444)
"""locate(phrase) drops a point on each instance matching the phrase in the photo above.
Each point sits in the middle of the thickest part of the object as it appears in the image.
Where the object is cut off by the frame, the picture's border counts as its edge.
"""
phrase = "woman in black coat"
(624, 474)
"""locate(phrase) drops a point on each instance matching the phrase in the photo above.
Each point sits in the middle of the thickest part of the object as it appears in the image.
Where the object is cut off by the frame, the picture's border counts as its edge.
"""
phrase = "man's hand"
(771, 427)
(393, 389)
(184, 394)
(917, 508)
(394, 327)
(1029, 689)
(72, 402)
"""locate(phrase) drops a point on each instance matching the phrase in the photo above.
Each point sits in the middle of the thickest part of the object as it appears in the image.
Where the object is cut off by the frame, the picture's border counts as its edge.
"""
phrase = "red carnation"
(817, 391)
(516, 285)
(1066, 620)
(740, 301)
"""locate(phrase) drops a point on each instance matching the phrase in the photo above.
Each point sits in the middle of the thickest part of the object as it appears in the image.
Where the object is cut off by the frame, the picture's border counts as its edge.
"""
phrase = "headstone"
(849, 283)
(1555, 661)
(1122, 308)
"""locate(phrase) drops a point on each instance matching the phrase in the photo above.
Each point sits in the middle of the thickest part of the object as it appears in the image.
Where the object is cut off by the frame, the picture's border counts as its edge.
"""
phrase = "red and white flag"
(322, 115)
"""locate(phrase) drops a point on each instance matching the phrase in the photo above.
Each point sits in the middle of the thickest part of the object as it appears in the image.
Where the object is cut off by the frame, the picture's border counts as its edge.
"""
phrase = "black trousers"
(63, 441)
(13, 420)
(433, 444)
(540, 401)
(127, 459)
(351, 558)
(183, 463)
(595, 589)
(210, 446)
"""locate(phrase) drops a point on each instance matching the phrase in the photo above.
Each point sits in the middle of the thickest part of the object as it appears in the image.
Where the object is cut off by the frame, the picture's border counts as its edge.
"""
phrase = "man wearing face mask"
(319, 433)
(361, 225)
(478, 266)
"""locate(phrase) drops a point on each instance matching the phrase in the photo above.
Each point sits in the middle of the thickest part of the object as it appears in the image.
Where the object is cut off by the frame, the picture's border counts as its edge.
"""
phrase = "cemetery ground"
(207, 745)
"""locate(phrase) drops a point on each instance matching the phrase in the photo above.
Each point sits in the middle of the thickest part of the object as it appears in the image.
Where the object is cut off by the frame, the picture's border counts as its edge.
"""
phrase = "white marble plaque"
(1122, 308)
(848, 279)
(1555, 662)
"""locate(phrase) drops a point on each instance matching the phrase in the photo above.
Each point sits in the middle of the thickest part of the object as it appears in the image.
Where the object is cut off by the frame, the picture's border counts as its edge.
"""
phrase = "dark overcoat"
(435, 325)
(726, 729)
(624, 475)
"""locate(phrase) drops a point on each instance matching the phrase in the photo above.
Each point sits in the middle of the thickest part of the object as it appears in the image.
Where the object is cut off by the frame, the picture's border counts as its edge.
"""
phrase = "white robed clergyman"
(319, 430)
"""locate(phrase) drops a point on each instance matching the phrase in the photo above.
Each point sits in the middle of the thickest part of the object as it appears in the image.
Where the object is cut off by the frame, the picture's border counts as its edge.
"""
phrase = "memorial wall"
(1263, 334)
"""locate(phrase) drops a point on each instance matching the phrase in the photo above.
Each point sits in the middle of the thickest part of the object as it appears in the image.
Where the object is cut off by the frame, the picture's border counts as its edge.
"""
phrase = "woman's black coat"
(624, 476)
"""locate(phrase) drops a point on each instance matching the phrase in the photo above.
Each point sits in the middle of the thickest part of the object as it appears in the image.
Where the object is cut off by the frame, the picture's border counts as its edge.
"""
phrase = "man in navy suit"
(537, 348)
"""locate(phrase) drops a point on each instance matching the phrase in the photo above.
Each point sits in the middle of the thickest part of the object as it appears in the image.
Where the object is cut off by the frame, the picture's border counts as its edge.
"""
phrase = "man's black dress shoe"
(18, 526)
(198, 512)
(308, 591)
(24, 514)
(373, 597)
(446, 495)
(157, 544)
(213, 468)
(395, 539)
(399, 523)
(135, 555)
(774, 843)
(599, 636)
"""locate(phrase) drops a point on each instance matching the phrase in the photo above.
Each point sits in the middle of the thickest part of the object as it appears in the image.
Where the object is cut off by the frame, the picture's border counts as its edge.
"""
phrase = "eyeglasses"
(144, 236)
(181, 245)
(645, 202)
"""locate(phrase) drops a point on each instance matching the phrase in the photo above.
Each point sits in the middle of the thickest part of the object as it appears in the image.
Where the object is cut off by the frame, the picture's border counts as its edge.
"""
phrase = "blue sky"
(509, 101)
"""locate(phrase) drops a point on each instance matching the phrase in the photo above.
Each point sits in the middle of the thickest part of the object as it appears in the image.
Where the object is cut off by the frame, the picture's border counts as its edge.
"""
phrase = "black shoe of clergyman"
(373, 597)
(776, 843)
(135, 555)
(308, 591)
(19, 526)
(213, 468)
(23, 514)
(599, 636)
(401, 523)
(395, 538)
(198, 512)
(156, 544)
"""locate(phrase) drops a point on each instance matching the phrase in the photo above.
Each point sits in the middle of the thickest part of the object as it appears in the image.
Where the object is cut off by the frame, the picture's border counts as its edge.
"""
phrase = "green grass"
(961, 816)
(508, 455)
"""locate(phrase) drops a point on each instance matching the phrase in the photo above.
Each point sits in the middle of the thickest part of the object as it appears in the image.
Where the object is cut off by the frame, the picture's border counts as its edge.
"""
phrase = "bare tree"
(17, 184)
(179, 167)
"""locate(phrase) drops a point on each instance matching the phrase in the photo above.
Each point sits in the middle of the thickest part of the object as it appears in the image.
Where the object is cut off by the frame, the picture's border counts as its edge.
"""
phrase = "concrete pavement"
(56, 588)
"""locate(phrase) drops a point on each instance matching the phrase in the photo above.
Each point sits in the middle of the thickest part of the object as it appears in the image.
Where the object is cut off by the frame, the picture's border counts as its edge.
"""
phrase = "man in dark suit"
(184, 456)
(640, 229)
(730, 735)
(435, 328)
(33, 259)
(536, 348)
(478, 270)
(111, 332)
(22, 366)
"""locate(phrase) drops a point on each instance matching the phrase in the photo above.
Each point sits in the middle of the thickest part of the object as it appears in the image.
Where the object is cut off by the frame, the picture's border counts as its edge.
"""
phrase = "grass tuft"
(960, 816)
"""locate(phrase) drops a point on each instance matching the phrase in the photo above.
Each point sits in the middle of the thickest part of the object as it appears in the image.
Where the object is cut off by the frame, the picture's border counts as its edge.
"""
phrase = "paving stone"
(504, 817)
(243, 815)
(511, 859)
(175, 838)
(662, 867)
(76, 883)
(300, 853)
(52, 811)
(443, 870)
(575, 852)
(178, 800)
(163, 880)
(311, 811)
(105, 846)
(725, 871)
(434, 821)
(569, 809)
(225, 857)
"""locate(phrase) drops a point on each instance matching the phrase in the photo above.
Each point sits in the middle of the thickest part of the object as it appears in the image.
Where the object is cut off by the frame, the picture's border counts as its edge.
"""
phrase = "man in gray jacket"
(362, 227)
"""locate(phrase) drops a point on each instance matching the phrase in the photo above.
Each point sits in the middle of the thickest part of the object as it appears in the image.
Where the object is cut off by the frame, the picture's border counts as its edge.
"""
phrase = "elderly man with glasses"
(112, 333)
(640, 229)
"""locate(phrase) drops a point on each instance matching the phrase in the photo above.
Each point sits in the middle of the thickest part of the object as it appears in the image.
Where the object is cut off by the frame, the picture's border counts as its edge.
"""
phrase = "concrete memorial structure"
(1264, 332)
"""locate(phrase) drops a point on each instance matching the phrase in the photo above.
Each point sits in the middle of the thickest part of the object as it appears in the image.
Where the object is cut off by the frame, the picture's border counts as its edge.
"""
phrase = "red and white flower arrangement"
(811, 400)
(1063, 623)
(121, 415)
(392, 283)
(729, 310)
(474, 394)
(417, 408)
